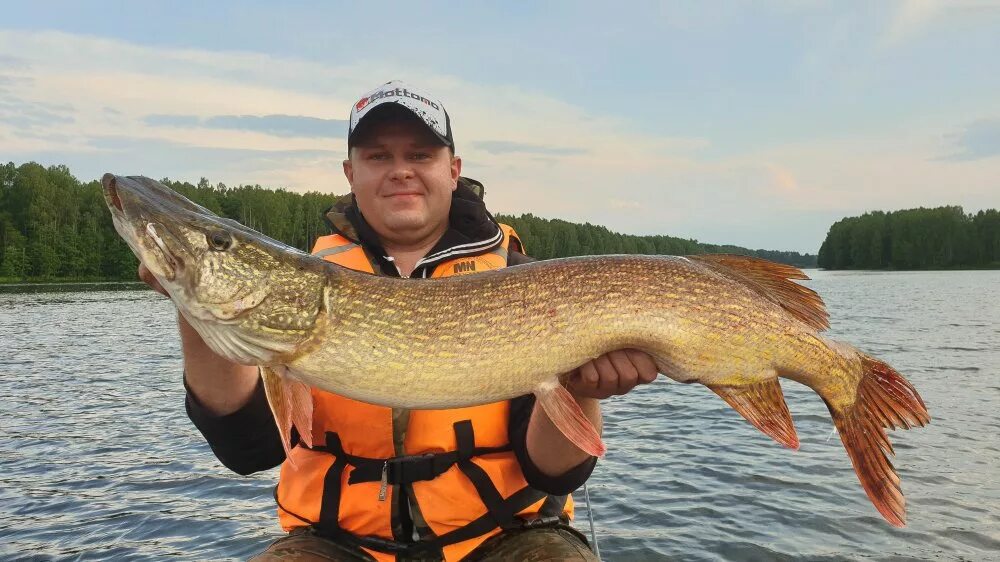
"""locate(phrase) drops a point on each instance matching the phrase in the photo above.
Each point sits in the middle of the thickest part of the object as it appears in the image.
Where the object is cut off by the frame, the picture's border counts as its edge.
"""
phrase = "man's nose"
(401, 171)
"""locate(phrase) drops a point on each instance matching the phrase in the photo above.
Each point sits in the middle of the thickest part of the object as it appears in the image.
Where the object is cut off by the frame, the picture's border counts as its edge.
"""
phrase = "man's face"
(403, 178)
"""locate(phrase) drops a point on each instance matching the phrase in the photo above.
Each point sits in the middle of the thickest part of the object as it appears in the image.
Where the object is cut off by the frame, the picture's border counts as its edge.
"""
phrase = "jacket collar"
(472, 230)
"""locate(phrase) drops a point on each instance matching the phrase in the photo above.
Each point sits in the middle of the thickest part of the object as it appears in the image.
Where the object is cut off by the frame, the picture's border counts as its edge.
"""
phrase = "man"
(483, 483)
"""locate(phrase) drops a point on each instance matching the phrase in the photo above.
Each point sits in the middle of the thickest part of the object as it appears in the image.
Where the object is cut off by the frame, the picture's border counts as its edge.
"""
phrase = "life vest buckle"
(539, 522)
(416, 468)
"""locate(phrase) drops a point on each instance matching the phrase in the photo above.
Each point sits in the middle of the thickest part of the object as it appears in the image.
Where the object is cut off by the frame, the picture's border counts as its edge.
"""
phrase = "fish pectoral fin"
(300, 399)
(560, 406)
(274, 389)
(763, 405)
(291, 404)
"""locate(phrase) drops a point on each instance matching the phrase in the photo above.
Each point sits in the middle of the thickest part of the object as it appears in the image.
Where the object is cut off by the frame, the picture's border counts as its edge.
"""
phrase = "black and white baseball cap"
(427, 109)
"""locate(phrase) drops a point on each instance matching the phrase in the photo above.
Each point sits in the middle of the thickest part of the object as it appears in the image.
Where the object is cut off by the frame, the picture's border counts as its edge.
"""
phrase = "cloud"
(783, 179)
(278, 125)
(25, 115)
(237, 117)
(8, 62)
(894, 170)
(508, 147)
(169, 120)
(245, 101)
(7, 81)
(979, 140)
(282, 125)
(624, 204)
(131, 144)
(913, 17)
(159, 158)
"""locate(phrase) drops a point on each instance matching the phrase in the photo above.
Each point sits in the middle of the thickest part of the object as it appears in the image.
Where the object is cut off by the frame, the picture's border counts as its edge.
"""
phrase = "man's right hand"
(147, 277)
(219, 385)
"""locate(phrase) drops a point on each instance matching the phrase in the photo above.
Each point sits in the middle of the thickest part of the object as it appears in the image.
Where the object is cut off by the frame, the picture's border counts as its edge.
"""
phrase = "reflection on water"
(98, 460)
(22, 288)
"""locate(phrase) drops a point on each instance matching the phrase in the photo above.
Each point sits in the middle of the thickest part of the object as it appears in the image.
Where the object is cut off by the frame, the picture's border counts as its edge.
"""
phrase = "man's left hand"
(612, 374)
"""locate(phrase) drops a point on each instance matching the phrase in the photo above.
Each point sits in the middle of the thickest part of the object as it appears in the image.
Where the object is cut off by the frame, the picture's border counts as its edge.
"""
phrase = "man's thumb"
(147, 277)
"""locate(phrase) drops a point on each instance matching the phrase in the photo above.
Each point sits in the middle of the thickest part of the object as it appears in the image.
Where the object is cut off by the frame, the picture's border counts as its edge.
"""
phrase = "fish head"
(251, 298)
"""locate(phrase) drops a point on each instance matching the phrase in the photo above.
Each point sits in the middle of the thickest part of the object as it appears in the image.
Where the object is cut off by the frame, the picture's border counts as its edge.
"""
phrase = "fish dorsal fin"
(774, 282)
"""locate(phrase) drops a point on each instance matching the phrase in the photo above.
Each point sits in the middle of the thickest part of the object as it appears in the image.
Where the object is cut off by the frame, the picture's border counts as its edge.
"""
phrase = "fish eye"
(219, 240)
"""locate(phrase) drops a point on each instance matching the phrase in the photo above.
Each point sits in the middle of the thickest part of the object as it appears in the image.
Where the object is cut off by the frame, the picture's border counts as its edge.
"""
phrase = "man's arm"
(244, 441)
(220, 386)
(226, 402)
(521, 409)
(615, 373)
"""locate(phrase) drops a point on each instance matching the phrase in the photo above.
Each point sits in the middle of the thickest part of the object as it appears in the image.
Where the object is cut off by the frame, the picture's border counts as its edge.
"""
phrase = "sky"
(752, 123)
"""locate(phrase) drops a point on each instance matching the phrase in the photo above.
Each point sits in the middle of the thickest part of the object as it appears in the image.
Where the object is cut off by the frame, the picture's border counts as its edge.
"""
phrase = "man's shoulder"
(517, 258)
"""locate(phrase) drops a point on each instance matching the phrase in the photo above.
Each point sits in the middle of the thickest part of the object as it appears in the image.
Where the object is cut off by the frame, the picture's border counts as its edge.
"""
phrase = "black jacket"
(247, 441)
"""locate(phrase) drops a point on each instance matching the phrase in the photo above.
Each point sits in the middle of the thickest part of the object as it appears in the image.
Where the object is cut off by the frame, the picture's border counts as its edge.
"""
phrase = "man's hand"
(220, 386)
(612, 374)
(147, 277)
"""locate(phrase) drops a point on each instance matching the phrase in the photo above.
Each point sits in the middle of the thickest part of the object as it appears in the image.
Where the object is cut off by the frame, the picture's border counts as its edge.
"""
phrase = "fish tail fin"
(883, 399)
(564, 412)
(291, 404)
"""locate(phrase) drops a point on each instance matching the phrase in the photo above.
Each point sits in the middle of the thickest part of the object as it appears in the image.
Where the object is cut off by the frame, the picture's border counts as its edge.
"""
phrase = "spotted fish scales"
(732, 323)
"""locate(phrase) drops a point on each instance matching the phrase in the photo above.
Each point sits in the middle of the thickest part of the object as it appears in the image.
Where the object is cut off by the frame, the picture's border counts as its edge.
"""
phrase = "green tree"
(939, 238)
(53, 226)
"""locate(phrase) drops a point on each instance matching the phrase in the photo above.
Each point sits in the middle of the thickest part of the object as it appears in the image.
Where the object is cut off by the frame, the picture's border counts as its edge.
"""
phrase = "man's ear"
(456, 170)
(349, 172)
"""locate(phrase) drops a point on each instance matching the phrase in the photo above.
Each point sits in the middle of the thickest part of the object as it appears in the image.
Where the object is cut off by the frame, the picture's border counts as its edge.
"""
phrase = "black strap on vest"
(500, 512)
(404, 469)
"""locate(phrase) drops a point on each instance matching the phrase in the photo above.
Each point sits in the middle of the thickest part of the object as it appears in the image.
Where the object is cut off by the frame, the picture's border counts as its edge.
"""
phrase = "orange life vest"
(458, 463)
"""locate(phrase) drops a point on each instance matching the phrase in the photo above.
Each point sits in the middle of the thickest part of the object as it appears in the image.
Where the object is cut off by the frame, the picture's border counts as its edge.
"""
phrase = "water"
(98, 460)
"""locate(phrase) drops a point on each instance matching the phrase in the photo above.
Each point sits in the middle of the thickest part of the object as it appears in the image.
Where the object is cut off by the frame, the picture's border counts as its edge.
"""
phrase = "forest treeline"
(554, 238)
(54, 227)
(939, 238)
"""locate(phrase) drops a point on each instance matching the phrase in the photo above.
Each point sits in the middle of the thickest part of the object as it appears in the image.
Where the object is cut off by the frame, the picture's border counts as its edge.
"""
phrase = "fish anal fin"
(560, 406)
(291, 403)
(774, 282)
(763, 405)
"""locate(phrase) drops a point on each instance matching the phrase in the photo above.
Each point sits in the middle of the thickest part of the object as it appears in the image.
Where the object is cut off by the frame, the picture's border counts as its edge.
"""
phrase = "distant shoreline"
(8, 281)
(991, 267)
(54, 227)
(18, 285)
(55, 282)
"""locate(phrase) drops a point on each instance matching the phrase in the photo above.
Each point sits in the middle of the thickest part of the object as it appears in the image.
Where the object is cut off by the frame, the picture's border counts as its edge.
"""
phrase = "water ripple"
(99, 462)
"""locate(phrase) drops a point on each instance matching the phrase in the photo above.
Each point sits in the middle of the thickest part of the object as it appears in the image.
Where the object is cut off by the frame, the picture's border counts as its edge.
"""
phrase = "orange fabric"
(432, 431)
(490, 260)
(447, 502)
(342, 252)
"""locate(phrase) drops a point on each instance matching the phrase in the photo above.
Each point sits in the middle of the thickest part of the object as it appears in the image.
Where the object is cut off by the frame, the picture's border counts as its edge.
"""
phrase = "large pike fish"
(732, 323)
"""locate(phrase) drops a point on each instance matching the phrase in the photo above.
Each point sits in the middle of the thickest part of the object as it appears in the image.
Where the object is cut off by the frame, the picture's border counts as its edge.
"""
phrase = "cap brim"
(383, 111)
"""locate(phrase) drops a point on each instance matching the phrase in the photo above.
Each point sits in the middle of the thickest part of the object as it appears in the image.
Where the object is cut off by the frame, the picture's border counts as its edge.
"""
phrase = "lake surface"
(99, 461)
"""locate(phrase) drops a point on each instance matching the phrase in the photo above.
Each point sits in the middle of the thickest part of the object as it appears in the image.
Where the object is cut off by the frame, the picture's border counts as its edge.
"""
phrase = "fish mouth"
(111, 193)
(111, 196)
(150, 240)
